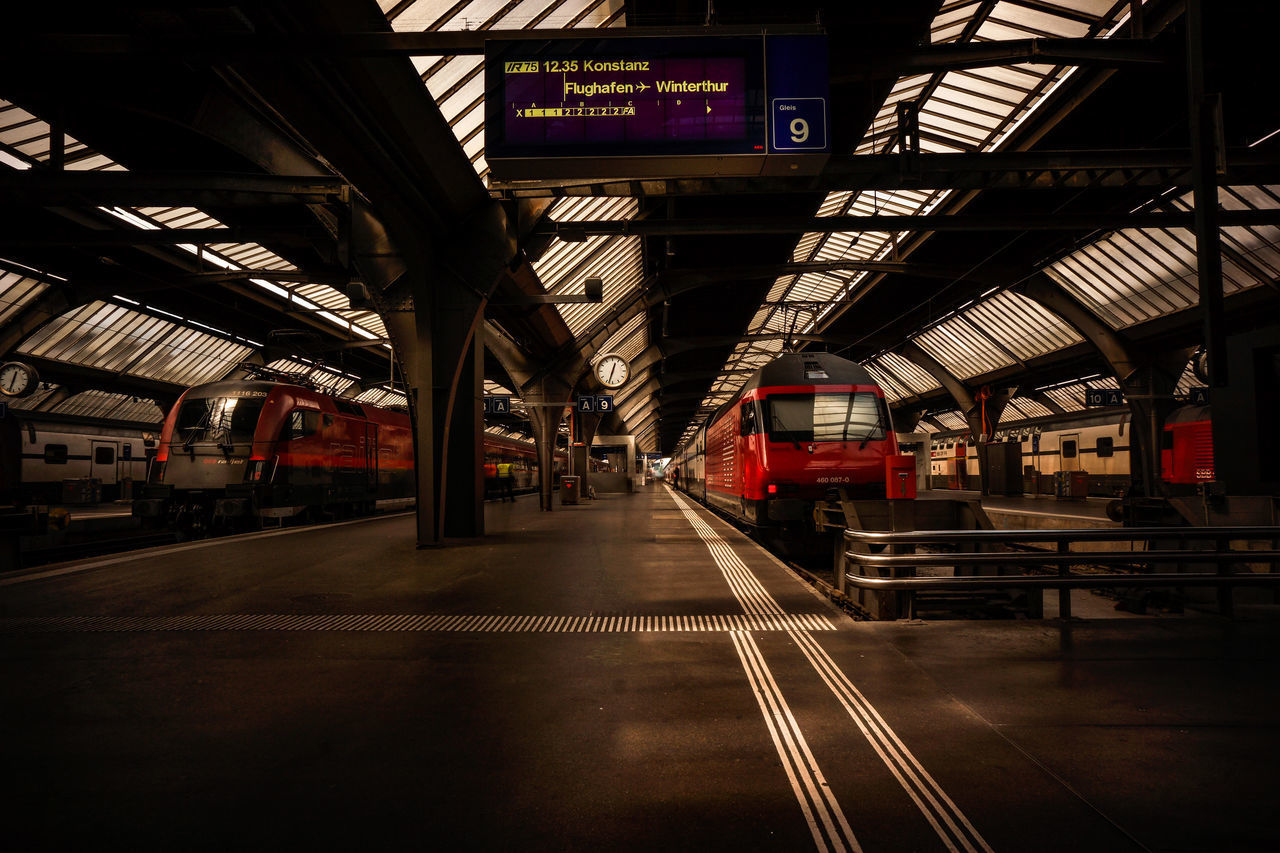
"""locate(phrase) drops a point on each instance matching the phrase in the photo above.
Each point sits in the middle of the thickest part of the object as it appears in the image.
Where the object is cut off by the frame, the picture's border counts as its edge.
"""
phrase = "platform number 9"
(799, 130)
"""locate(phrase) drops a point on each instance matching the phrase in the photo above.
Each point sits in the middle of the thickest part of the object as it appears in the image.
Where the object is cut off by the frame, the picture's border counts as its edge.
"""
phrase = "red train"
(802, 426)
(1186, 449)
(235, 452)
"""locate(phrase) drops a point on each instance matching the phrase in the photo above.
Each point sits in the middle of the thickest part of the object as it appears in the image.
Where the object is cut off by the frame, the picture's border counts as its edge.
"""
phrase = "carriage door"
(1069, 452)
(103, 462)
(371, 456)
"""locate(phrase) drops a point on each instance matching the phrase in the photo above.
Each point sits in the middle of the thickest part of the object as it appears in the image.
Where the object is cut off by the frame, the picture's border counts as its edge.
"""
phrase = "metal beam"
(45, 188)
(995, 170)
(166, 237)
(1105, 221)
(870, 64)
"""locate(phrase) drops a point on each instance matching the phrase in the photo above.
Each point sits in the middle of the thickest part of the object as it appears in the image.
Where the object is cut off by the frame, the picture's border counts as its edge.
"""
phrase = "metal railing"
(1216, 551)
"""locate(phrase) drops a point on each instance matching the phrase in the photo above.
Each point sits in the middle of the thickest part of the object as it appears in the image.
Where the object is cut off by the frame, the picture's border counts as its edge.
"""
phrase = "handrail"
(1221, 556)
(1092, 534)
(1056, 558)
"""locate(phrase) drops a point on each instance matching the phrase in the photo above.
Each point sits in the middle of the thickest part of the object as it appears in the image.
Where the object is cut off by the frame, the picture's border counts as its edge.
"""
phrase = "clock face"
(612, 371)
(16, 380)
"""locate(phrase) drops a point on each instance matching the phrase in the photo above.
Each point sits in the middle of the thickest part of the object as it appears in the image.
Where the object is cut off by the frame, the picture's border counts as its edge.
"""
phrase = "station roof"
(957, 298)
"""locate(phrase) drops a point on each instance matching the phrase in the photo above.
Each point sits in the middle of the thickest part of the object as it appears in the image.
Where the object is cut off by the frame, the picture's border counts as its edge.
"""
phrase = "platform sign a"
(586, 404)
(604, 403)
(1103, 397)
(497, 404)
(1198, 397)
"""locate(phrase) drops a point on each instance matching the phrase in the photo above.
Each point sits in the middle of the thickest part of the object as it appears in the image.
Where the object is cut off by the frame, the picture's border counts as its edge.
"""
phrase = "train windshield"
(224, 420)
(859, 416)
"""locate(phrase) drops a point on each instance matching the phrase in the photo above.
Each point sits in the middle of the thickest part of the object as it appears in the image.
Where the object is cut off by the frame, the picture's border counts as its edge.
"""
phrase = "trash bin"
(570, 490)
(81, 490)
(900, 477)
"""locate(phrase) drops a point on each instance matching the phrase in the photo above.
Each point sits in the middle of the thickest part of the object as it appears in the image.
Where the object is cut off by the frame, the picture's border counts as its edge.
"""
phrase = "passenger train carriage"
(39, 450)
(802, 426)
(1095, 444)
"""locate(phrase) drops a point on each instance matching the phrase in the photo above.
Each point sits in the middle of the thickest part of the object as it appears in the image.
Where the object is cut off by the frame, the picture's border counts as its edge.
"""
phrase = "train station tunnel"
(640, 424)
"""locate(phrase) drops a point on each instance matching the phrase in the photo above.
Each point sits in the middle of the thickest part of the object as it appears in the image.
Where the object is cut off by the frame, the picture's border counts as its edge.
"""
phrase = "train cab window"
(328, 420)
(104, 456)
(301, 423)
(1106, 446)
(219, 419)
(55, 454)
(1069, 449)
(750, 423)
(349, 407)
(859, 416)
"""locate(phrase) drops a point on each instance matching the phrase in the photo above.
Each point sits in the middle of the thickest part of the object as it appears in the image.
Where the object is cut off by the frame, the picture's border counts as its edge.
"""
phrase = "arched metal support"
(1147, 379)
(545, 398)
(981, 410)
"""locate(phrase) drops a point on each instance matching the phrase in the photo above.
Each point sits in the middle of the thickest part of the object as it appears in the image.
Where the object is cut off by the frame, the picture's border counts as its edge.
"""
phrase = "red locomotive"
(802, 426)
(236, 450)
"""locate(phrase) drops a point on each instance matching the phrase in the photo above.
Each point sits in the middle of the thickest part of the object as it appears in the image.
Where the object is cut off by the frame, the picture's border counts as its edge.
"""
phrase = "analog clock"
(612, 371)
(18, 379)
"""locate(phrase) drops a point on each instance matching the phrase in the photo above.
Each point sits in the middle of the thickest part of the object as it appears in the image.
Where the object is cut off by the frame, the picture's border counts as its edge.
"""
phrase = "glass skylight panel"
(961, 349)
(109, 406)
(117, 339)
(16, 292)
(1021, 325)
(893, 390)
(908, 372)
(1031, 408)
(952, 420)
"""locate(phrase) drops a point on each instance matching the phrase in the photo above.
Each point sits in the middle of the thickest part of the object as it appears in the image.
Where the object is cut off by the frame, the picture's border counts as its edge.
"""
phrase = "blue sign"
(126, 451)
(797, 86)
(1199, 397)
(1103, 397)
(799, 124)
(586, 404)
(1035, 442)
(604, 403)
(497, 405)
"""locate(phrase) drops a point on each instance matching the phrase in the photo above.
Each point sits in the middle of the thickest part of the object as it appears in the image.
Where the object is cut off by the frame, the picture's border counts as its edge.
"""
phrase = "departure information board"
(620, 97)
(558, 108)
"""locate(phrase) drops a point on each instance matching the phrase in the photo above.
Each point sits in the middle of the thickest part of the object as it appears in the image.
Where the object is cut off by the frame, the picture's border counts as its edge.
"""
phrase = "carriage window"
(1069, 449)
(1106, 446)
(750, 423)
(301, 423)
(860, 416)
(55, 454)
(104, 455)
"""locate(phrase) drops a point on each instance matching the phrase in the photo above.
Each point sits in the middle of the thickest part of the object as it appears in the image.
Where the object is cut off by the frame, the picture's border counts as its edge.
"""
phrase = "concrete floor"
(143, 707)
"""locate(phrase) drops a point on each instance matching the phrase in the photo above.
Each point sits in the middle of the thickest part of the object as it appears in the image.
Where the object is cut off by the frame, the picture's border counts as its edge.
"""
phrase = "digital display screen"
(625, 97)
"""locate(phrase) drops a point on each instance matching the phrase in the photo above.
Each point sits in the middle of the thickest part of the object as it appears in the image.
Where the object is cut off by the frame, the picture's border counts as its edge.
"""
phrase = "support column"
(1205, 116)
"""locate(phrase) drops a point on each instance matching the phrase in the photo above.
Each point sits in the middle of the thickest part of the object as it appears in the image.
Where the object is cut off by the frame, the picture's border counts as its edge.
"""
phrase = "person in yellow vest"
(506, 479)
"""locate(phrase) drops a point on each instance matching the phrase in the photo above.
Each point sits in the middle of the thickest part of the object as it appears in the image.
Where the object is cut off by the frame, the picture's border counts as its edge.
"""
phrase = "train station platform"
(1032, 512)
(627, 674)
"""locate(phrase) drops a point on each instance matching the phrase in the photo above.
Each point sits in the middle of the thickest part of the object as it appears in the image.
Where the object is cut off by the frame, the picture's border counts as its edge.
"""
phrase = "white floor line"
(939, 810)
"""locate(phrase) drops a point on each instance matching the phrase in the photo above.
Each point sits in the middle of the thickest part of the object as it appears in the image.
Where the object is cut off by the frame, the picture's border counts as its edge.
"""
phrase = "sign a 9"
(799, 130)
